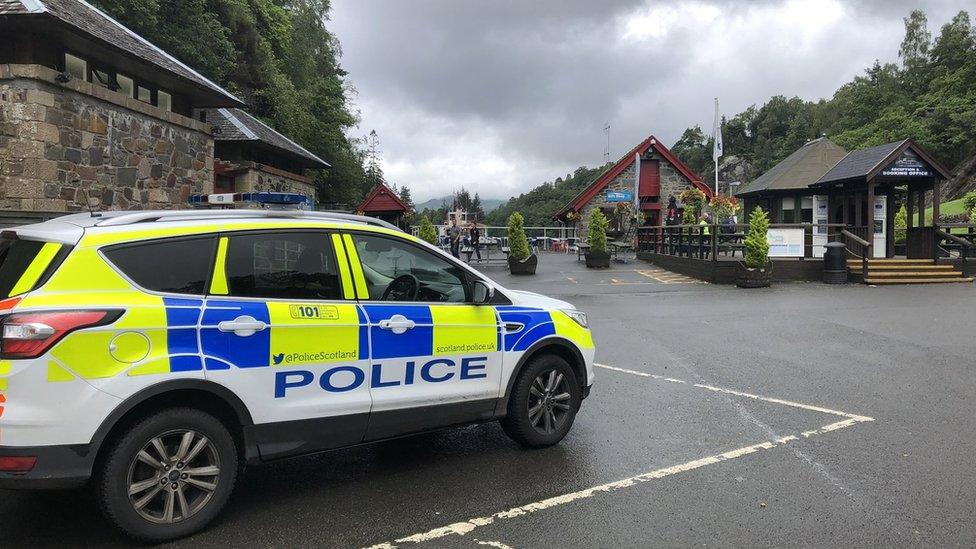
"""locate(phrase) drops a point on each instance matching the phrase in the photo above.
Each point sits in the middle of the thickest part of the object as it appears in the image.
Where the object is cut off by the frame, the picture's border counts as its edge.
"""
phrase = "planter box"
(598, 260)
(752, 278)
(526, 267)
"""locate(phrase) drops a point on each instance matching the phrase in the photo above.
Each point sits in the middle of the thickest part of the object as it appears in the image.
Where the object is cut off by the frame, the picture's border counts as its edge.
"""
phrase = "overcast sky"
(499, 96)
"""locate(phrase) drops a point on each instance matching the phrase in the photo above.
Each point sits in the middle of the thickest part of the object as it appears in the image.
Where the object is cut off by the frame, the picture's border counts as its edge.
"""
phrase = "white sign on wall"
(785, 242)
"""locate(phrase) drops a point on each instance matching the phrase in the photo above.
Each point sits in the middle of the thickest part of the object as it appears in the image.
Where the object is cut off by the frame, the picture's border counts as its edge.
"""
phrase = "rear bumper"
(586, 390)
(57, 467)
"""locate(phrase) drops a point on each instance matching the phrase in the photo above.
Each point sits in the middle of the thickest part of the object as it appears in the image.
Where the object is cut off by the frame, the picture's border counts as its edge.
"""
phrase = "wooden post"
(858, 217)
(921, 206)
(869, 198)
(890, 221)
(936, 199)
(845, 200)
(910, 207)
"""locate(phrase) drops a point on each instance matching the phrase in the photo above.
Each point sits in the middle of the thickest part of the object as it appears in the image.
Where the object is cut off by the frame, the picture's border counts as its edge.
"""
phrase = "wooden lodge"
(383, 203)
(822, 194)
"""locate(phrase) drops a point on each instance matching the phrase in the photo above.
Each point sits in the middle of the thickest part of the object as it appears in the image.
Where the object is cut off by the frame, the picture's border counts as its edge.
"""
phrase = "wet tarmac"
(800, 415)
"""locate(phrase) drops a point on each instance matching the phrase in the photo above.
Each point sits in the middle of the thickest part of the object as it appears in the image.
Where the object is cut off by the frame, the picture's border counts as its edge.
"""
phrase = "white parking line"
(465, 527)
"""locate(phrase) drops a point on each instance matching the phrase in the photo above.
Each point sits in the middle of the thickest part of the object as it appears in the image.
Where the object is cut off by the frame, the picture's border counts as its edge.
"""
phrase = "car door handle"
(397, 324)
(243, 326)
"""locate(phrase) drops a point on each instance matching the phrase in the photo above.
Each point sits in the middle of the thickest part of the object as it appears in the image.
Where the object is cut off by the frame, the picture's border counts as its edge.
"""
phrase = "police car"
(155, 354)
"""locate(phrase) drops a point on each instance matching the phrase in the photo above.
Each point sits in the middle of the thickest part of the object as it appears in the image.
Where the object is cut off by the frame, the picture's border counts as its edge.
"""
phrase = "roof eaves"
(162, 52)
(289, 140)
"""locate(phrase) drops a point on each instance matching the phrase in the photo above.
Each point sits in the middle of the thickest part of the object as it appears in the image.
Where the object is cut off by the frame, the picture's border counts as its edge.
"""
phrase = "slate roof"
(90, 20)
(238, 125)
(12, 7)
(860, 163)
(799, 170)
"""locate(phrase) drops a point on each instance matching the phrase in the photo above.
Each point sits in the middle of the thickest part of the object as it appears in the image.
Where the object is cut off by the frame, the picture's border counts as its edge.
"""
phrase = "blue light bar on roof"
(263, 198)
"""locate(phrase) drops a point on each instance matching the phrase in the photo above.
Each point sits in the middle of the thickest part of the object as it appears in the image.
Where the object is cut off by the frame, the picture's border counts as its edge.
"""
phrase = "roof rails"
(186, 215)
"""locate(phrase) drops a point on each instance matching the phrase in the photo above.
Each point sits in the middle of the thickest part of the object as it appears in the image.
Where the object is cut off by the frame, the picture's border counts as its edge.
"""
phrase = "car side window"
(396, 270)
(282, 265)
(173, 265)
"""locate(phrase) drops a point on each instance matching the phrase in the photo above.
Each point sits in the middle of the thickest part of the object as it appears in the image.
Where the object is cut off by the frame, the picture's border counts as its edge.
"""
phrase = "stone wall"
(65, 145)
(252, 176)
(673, 183)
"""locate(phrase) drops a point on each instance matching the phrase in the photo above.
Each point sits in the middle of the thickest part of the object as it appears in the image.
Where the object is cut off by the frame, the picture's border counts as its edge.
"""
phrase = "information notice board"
(785, 242)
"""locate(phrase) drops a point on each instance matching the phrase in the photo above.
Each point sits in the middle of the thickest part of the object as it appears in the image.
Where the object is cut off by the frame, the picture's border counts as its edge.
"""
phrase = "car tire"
(539, 415)
(171, 498)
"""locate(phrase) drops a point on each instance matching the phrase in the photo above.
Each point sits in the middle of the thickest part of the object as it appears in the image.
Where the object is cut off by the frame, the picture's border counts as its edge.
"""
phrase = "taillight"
(29, 335)
(17, 464)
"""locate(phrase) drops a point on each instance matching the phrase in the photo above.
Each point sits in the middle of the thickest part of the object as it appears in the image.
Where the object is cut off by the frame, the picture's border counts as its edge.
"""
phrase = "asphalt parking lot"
(800, 415)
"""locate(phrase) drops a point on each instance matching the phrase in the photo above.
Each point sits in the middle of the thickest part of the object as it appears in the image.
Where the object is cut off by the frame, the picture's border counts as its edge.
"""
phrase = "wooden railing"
(864, 245)
(947, 243)
(710, 242)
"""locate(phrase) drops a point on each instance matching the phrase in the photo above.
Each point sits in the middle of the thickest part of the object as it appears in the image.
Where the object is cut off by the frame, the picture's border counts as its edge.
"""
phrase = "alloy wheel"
(174, 476)
(549, 401)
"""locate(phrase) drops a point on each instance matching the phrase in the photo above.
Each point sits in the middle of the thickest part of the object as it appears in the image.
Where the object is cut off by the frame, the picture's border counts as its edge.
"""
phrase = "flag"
(717, 134)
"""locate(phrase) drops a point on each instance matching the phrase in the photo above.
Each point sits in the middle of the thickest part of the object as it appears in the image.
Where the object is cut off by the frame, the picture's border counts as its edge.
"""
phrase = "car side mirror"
(481, 292)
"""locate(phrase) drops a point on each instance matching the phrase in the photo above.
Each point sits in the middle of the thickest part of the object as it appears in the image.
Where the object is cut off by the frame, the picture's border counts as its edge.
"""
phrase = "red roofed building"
(662, 175)
(383, 203)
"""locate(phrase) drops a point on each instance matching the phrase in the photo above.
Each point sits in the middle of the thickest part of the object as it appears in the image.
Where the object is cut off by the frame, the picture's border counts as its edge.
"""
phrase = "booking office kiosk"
(878, 233)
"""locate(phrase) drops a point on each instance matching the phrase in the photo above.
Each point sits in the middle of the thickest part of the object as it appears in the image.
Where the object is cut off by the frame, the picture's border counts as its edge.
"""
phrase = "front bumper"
(57, 467)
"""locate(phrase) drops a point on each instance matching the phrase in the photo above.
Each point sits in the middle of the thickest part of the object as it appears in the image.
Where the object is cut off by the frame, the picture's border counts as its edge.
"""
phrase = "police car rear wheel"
(543, 403)
(169, 475)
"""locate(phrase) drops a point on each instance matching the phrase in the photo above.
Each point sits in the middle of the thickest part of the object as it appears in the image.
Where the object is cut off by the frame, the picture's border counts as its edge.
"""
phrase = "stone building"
(251, 156)
(662, 175)
(93, 114)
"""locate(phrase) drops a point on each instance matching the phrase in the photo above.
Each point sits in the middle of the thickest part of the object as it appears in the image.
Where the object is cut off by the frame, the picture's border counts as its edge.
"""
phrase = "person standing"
(454, 234)
(475, 235)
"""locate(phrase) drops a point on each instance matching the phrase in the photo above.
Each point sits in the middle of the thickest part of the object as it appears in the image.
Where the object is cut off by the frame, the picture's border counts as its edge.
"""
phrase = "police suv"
(155, 354)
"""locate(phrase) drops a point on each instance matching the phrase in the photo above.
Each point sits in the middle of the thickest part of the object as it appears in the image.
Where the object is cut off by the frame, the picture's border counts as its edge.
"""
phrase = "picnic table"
(581, 250)
(617, 245)
(468, 251)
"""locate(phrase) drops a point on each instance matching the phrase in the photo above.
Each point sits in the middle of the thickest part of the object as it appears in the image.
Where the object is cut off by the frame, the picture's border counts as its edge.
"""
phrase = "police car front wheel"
(543, 403)
(169, 475)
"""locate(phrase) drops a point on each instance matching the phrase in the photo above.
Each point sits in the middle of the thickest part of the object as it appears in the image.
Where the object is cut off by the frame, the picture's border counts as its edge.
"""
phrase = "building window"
(126, 85)
(164, 100)
(144, 95)
(806, 209)
(76, 67)
(787, 210)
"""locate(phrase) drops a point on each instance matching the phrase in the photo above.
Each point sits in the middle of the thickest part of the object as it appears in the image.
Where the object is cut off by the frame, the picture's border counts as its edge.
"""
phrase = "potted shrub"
(754, 273)
(597, 256)
(520, 259)
(428, 233)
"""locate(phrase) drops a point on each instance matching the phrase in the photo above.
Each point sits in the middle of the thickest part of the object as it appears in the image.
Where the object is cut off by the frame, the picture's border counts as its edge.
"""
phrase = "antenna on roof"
(606, 150)
(88, 202)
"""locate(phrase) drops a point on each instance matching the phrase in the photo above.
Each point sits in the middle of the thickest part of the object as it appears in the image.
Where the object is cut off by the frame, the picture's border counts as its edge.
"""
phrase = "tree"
(914, 50)
(518, 244)
(278, 57)
(901, 225)
(757, 245)
(597, 231)
(428, 233)
(404, 194)
(374, 172)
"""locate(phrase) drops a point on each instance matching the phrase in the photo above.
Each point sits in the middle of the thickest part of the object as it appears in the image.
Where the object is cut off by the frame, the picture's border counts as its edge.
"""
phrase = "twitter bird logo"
(278, 358)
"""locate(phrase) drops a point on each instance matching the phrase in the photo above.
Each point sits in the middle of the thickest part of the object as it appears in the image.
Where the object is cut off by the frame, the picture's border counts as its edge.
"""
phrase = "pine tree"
(518, 244)
(428, 233)
(757, 245)
(597, 231)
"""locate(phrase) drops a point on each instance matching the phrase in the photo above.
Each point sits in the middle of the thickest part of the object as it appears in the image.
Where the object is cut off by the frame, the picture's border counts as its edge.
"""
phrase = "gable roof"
(382, 199)
(799, 170)
(625, 161)
(866, 163)
(93, 22)
(238, 125)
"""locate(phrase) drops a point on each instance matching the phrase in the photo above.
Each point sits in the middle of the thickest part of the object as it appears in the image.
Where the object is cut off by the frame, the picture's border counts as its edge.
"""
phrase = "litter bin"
(835, 263)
